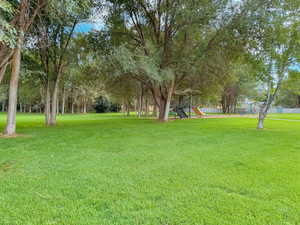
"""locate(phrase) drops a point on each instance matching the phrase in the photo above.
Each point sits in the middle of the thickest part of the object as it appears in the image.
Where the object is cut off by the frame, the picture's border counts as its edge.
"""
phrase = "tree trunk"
(140, 107)
(2, 72)
(261, 119)
(146, 107)
(162, 107)
(47, 105)
(63, 102)
(53, 111)
(72, 107)
(57, 106)
(127, 110)
(3, 106)
(13, 90)
(154, 112)
(168, 101)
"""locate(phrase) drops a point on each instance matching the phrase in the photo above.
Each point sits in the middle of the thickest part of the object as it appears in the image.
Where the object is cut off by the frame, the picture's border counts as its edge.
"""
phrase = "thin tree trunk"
(162, 107)
(2, 72)
(47, 105)
(127, 110)
(63, 102)
(3, 106)
(10, 128)
(57, 106)
(146, 107)
(85, 106)
(154, 113)
(136, 105)
(261, 119)
(72, 108)
(140, 108)
(168, 101)
(53, 112)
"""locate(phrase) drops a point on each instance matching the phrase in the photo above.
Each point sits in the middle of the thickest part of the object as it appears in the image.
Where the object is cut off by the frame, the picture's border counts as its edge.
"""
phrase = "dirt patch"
(229, 116)
(5, 166)
(219, 116)
(4, 136)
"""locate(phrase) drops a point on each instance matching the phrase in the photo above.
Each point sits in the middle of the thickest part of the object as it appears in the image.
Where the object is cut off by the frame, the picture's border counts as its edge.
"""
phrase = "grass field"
(290, 116)
(108, 170)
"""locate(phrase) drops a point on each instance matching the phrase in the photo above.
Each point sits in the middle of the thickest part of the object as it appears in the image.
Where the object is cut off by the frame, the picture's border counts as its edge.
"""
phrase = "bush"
(103, 105)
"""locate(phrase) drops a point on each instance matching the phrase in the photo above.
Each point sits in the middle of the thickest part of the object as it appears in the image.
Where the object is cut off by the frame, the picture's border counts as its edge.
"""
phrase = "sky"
(86, 27)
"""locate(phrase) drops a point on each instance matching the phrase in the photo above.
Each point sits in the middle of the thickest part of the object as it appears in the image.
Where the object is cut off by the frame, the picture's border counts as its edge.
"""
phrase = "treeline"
(145, 56)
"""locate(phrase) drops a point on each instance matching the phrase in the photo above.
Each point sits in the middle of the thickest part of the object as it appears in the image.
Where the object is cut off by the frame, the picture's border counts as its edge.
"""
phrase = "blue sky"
(85, 27)
(295, 67)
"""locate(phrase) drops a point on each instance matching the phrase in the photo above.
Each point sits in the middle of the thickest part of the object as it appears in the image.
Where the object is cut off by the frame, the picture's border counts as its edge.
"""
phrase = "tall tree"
(54, 32)
(276, 50)
(27, 12)
(174, 42)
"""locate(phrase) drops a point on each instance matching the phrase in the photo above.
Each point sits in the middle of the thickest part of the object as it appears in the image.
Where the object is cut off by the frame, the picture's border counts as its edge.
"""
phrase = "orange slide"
(198, 111)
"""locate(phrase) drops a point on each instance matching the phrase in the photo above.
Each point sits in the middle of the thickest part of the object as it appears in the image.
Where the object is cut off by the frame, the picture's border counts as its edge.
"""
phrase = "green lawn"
(108, 170)
(290, 116)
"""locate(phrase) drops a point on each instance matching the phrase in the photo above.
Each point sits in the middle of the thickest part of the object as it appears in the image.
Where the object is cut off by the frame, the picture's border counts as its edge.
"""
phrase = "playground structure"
(198, 111)
(184, 107)
(181, 113)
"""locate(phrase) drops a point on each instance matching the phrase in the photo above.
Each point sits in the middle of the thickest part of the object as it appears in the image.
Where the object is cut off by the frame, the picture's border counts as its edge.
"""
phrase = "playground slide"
(181, 113)
(198, 111)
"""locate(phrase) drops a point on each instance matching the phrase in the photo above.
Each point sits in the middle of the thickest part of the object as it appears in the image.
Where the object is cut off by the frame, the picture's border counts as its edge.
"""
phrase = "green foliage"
(103, 104)
(290, 91)
(7, 32)
(3, 93)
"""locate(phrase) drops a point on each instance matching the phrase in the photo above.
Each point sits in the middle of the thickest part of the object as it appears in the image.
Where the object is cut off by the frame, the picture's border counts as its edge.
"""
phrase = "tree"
(289, 95)
(54, 32)
(27, 12)
(276, 50)
(173, 43)
(239, 84)
(7, 33)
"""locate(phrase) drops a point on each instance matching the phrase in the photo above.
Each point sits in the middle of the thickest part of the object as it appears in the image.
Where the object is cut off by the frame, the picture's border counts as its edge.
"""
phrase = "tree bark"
(10, 128)
(2, 72)
(162, 107)
(72, 107)
(3, 106)
(261, 119)
(47, 105)
(141, 99)
(168, 101)
(127, 110)
(84, 105)
(63, 102)
(53, 111)
(154, 112)
(146, 107)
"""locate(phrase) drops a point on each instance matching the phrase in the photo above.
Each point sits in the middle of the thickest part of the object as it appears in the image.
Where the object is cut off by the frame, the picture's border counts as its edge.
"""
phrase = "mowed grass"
(290, 116)
(108, 170)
